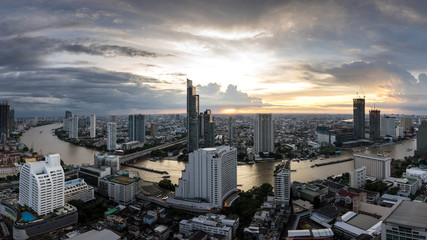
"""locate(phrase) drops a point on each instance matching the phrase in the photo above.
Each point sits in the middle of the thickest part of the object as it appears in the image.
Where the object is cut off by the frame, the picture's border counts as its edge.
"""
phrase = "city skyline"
(108, 57)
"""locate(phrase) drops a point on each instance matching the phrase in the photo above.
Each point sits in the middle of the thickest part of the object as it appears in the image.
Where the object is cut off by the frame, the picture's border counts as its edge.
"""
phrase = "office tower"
(230, 131)
(282, 185)
(111, 136)
(74, 127)
(376, 166)
(192, 117)
(358, 177)
(422, 140)
(4, 118)
(374, 125)
(68, 114)
(11, 121)
(264, 133)
(92, 128)
(359, 117)
(406, 123)
(153, 130)
(210, 175)
(41, 185)
(207, 128)
(137, 127)
(406, 220)
(388, 127)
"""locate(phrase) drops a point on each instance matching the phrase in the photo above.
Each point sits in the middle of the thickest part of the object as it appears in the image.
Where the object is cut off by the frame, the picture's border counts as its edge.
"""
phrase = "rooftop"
(94, 234)
(73, 182)
(363, 221)
(372, 156)
(409, 214)
(123, 179)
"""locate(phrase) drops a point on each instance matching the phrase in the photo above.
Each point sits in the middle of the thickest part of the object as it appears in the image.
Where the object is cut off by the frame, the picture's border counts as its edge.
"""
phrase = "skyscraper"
(388, 126)
(264, 133)
(192, 117)
(282, 185)
(210, 176)
(153, 131)
(73, 131)
(41, 185)
(4, 118)
(374, 125)
(11, 120)
(137, 127)
(92, 127)
(207, 128)
(111, 136)
(406, 123)
(230, 131)
(422, 140)
(68, 114)
(359, 117)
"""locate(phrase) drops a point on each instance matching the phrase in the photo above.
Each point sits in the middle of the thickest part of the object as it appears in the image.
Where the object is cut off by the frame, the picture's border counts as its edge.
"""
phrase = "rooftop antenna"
(362, 91)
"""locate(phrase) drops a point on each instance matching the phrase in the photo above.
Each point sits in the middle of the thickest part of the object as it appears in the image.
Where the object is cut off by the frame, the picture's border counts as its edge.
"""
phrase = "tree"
(167, 184)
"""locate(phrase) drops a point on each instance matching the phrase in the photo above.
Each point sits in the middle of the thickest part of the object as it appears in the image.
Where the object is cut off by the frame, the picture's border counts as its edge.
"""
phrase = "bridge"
(136, 155)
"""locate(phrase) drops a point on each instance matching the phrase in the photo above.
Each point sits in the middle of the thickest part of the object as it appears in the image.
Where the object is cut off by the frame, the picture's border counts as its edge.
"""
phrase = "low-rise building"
(351, 225)
(211, 224)
(416, 172)
(318, 234)
(77, 189)
(389, 200)
(358, 177)
(123, 188)
(93, 175)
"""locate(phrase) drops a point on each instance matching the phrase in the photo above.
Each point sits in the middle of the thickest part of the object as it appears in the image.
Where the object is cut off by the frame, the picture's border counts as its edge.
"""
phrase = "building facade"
(230, 131)
(358, 177)
(73, 128)
(282, 185)
(388, 126)
(4, 118)
(122, 189)
(422, 140)
(359, 118)
(92, 126)
(406, 123)
(264, 133)
(111, 136)
(41, 185)
(210, 176)
(111, 161)
(207, 129)
(77, 189)
(374, 125)
(376, 166)
(211, 224)
(192, 117)
(137, 127)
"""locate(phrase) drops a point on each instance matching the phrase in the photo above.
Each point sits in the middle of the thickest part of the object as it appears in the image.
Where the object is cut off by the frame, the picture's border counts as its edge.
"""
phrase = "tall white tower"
(210, 176)
(264, 133)
(111, 136)
(282, 185)
(41, 185)
(92, 128)
(74, 127)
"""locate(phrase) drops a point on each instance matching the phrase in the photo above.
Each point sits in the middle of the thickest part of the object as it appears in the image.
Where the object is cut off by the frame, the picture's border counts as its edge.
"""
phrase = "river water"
(42, 139)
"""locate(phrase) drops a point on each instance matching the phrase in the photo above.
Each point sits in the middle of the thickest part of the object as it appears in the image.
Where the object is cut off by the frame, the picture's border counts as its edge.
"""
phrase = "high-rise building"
(406, 123)
(192, 117)
(207, 129)
(11, 120)
(230, 131)
(264, 133)
(41, 185)
(111, 161)
(376, 166)
(422, 140)
(210, 176)
(359, 117)
(73, 131)
(358, 177)
(153, 131)
(406, 220)
(92, 128)
(68, 114)
(137, 127)
(282, 185)
(113, 118)
(4, 118)
(388, 126)
(111, 136)
(374, 125)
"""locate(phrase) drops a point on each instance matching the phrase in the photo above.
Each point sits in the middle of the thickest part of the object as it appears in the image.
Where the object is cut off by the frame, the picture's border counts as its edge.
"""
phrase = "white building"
(407, 186)
(388, 127)
(123, 188)
(358, 177)
(73, 128)
(211, 224)
(77, 189)
(210, 176)
(282, 185)
(416, 172)
(264, 133)
(111, 136)
(407, 220)
(111, 161)
(92, 128)
(376, 166)
(41, 185)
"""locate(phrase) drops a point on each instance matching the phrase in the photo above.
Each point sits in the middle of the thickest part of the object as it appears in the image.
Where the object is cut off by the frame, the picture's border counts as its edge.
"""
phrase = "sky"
(244, 56)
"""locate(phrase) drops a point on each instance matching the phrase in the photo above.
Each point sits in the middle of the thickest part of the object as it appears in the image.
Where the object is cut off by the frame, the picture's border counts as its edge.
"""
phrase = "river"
(43, 140)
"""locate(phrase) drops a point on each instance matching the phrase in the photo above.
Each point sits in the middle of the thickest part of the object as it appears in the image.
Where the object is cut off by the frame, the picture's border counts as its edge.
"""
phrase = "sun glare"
(229, 111)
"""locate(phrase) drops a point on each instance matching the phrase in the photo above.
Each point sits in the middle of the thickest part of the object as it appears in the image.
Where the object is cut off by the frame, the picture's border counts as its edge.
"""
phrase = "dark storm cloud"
(108, 50)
